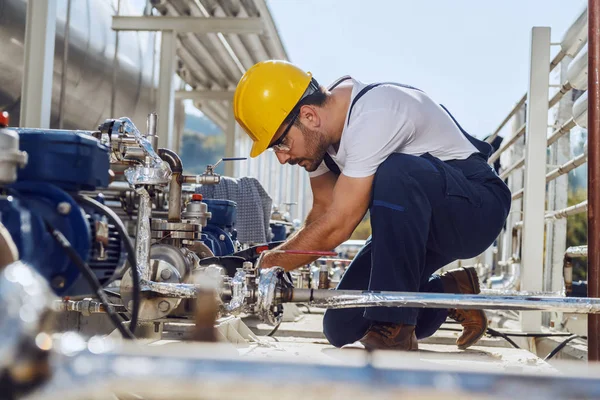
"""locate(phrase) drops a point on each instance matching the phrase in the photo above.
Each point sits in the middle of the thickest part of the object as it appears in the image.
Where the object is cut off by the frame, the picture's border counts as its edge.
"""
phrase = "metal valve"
(273, 288)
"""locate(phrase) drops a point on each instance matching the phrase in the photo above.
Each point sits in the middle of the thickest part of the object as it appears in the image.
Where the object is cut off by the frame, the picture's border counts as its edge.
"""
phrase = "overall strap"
(482, 147)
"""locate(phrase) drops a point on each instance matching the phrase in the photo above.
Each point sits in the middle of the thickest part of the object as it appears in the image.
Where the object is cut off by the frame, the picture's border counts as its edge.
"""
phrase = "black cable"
(135, 274)
(494, 332)
(274, 329)
(91, 279)
(560, 347)
(490, 331)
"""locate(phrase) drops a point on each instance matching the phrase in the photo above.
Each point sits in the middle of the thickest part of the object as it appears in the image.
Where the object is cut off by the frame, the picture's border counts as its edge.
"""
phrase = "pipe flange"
(176, 235)
(162, 225)
(269, 306)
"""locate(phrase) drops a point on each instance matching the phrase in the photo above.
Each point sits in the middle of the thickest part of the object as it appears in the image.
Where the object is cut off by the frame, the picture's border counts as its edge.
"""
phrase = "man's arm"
(334, 225)
(322, 189)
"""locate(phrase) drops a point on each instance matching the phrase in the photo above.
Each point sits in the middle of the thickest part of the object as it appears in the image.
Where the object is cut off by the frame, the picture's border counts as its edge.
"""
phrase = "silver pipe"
(507, 144)
(143, 236)
(567, 167)
(561, 131)
(356, 298)
(557, 134)
(509, 170)
(152, 134)
(65, 63)
(179, 290)
(512, 112)
(86, 306)
(577, 251)
(564, 213)
(509, 280)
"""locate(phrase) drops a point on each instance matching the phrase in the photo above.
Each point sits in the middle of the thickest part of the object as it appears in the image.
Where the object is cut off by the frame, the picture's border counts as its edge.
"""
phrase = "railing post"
(535, 171)
(593, 173)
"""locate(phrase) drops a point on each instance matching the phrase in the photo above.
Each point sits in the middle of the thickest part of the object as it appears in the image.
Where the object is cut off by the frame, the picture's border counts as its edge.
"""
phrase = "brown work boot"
(388, 336)
(474, 322)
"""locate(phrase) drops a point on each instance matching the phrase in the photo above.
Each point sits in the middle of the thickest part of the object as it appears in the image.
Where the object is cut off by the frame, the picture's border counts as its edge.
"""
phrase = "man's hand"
(351, 197)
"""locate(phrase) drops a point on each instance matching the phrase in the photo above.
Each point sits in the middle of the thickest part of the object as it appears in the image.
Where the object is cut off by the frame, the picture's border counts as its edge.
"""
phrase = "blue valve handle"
(234, 158)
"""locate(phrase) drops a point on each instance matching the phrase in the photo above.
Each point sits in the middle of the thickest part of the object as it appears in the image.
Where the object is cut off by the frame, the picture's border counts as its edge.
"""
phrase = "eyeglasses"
(279, 144)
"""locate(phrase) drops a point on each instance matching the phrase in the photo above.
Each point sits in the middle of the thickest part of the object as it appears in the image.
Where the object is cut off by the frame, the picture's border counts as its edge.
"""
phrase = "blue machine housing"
(60, 164)
(219, 234)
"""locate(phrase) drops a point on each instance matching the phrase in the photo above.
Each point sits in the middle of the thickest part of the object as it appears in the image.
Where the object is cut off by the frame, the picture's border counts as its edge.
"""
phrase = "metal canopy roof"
(213, 63)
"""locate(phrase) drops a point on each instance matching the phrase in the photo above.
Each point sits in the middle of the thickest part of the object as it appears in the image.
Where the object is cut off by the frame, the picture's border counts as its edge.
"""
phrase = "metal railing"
(535, 164)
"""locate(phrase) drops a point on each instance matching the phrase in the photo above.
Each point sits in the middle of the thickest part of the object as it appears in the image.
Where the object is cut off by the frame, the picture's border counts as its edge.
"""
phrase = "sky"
(470, 55)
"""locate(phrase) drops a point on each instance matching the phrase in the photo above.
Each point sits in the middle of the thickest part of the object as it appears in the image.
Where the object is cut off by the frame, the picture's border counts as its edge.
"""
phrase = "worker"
(391, 150)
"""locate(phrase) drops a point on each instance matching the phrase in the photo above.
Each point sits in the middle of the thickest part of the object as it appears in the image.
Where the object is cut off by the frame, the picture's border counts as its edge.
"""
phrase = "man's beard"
(316, 145)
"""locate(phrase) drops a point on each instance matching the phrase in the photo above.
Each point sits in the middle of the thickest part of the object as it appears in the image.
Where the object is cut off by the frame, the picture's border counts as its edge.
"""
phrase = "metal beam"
(166, 89)
(199, 95)
(535, 171)
(593, 173)
(188, 24)
(230, 141)
(36, 92)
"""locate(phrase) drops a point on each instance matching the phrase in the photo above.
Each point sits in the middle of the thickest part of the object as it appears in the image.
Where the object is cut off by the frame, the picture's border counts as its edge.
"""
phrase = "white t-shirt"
(392, 119)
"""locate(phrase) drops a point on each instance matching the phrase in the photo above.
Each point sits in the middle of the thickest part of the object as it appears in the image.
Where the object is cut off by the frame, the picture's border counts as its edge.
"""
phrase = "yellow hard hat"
(265, 96)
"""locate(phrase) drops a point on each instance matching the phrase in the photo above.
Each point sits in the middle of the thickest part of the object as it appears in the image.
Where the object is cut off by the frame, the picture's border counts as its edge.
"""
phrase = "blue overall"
(425, 213)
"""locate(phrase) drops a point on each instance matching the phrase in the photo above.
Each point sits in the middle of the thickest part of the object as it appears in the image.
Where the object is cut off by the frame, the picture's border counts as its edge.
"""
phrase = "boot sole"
(474, 279)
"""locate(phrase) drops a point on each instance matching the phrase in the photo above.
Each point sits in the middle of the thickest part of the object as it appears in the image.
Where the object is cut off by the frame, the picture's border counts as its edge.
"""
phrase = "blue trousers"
(425, 213)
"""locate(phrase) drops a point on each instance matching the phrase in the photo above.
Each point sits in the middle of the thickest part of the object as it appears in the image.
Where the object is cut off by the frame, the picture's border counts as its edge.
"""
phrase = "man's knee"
(345, 326)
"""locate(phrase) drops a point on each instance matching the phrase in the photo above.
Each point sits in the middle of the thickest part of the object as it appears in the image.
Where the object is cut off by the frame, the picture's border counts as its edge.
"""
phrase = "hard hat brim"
(258, 148)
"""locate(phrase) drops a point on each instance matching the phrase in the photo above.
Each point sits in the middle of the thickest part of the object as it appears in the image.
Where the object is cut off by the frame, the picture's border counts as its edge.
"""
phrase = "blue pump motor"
(61, 163)
(219, 234)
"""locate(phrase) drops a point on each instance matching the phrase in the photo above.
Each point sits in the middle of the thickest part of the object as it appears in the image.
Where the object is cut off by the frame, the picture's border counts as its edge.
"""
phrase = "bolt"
(164, 306)
(58, 282)
(222, 237)
(63, 208)
(165, 274)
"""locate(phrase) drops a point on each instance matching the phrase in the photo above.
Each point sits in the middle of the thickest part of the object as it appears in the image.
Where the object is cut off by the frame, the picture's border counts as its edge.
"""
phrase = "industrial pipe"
(357, 298)
(561, 170)
(557, 134)
(564, 213)
(594, 173)
(572, 252)
(174, 184)
(507, 144)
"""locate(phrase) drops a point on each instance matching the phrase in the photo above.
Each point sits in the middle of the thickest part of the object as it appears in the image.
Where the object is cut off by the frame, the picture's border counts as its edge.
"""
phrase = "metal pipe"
(561, 170)
(174, 184)
(152, 122)
(143, 237)
(558, 95)
(594, 172)
(335, 299)
(179, 290)
(567, 167)
(561, 131)
(509, 280)
(86, 306)
(507, 144)
(557, 134)
(512, 112)
(512, 168)
(564, 213)
(65, 63)
(577, 251)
